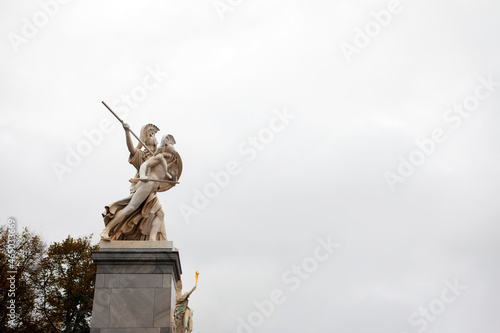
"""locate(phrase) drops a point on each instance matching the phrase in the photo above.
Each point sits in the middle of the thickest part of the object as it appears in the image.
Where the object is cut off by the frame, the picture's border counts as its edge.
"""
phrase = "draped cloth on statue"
(183, 315)
(136, 159)
(137, 225)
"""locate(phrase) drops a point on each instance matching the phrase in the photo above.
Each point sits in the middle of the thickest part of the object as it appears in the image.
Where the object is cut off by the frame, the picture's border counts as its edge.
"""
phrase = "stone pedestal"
(135, 287)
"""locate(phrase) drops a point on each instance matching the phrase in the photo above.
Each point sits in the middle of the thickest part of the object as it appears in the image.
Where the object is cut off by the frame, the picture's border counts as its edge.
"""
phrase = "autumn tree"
(67, 285)
(20, 258)
(54, 287)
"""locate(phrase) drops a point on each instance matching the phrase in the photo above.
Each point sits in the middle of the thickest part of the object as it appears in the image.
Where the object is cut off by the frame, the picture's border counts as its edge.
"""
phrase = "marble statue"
(140, 216)
(183, 315)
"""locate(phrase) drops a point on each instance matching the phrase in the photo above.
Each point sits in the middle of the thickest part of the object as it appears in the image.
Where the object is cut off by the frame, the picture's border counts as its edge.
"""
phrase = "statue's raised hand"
(126, 127)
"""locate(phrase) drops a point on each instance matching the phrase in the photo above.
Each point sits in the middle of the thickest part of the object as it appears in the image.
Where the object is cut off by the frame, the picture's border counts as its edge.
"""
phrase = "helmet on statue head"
(147, 134)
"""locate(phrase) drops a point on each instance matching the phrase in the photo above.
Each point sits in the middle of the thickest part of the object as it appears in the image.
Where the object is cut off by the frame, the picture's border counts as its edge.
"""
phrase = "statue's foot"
(105, 236)
(152, 236)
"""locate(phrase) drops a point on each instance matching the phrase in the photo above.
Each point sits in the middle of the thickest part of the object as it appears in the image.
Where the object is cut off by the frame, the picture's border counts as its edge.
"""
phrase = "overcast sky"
(369, 125)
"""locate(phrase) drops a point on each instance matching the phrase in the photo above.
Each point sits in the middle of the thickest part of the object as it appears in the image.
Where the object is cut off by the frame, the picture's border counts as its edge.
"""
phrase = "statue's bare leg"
(142, 192)
(157, 222)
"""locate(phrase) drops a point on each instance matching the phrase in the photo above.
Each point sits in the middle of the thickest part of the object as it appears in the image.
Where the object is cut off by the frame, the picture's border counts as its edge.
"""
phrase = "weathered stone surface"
(100, 310)
(134, 291)
(99, 281)
(142, 261)
(162, 307)
(132, 307)
(167, 281)
(133, 280)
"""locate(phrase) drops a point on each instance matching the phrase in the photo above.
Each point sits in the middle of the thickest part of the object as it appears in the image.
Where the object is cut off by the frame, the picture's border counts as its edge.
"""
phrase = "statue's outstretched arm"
(130, 144)
(191, 291)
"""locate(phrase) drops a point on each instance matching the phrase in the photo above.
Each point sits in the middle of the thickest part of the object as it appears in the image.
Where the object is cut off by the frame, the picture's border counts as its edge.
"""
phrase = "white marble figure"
(140, 216)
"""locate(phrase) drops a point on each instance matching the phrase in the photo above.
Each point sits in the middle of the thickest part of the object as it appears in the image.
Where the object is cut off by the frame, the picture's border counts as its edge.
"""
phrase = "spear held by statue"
(135, 180)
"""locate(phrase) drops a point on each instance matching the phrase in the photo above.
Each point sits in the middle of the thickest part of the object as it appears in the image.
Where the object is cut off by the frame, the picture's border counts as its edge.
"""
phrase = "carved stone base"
(136, 245)
(135, 289)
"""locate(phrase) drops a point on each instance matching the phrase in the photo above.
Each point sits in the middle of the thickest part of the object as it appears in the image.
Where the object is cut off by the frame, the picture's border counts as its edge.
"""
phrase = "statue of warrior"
(140, 216)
